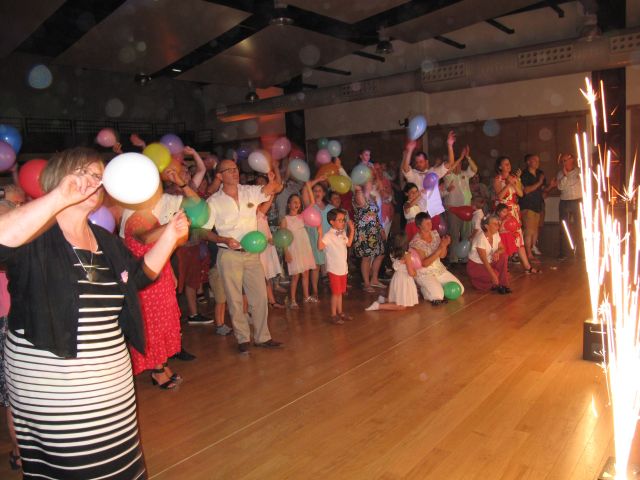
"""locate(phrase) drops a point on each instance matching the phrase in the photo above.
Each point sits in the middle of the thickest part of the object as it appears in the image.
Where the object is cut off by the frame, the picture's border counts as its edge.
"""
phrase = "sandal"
(531, 270)
(174, 376)
(368, 289)
(276, 305)
(335, 320)
(168, 385)
(293, 305)
(377, 285)
(345, 317)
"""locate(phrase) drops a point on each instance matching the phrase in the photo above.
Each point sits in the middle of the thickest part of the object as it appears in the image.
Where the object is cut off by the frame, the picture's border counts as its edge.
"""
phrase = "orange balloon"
(328, 170)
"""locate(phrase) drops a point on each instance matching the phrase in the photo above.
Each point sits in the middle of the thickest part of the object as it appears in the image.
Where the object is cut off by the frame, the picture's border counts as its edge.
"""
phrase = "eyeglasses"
(95, 176)
(230, 169)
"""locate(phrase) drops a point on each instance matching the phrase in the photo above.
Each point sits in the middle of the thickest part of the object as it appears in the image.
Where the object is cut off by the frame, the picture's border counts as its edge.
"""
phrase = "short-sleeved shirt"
(533, 201)
(461, 193)
(476, 219)
(436, 267)
(434, 201)
(570, 185)
(233, 219)
(336, 252)
(481, 241)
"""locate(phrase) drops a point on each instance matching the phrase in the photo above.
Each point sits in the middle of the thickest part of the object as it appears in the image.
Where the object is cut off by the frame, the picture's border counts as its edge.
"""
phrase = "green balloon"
(282, 238)
(323, 143)
(452, 290)
(197, 211)
(254, 242)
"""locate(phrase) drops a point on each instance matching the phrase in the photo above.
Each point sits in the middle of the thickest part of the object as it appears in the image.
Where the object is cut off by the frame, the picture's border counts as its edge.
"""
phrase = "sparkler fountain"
(612, 262)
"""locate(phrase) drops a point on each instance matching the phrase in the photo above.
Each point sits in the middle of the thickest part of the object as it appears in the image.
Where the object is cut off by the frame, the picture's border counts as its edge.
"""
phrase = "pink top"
(5, 300)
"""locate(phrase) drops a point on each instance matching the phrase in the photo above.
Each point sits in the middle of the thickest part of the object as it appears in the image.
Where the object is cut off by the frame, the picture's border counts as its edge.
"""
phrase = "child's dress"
(402, 289)
(269, 257)
(300, 249)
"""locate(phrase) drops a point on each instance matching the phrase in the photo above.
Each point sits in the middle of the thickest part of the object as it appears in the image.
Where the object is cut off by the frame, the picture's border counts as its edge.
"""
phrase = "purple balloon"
(7, 156)
(173, 143)
(243, 152)
(103, 218)
(442, 228)
(430, 181)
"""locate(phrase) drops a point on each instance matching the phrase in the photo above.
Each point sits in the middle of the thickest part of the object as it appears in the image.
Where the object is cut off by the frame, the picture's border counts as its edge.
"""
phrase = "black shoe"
(435, 303)
(184, 356)
(243, 347)
(198, 319)
(271, 343)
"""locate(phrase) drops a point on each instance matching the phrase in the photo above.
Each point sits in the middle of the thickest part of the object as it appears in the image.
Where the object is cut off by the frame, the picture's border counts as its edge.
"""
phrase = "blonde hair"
(63, 163)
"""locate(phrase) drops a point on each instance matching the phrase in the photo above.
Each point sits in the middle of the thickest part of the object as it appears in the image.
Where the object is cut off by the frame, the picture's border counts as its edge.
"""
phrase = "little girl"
(402, 289)
(414, 205)
(269, 257)
(298, 255)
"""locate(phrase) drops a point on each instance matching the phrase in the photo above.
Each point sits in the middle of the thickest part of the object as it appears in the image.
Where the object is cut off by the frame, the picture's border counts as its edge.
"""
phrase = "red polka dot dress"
(158, 302)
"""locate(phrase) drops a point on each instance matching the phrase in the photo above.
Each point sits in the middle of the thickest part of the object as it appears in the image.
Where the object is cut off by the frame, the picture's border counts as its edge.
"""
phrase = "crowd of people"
(68, 372)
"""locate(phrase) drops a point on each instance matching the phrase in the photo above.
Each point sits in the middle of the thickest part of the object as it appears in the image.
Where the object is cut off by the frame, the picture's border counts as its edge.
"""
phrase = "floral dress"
(512, 240)
(368, 240)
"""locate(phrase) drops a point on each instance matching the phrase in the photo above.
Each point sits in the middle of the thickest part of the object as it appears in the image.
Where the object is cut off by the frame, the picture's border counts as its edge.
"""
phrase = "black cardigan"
(44, 290)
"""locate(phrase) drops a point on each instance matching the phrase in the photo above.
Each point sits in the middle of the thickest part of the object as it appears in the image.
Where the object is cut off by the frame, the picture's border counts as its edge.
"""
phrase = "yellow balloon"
(159, 154)
(340, 183)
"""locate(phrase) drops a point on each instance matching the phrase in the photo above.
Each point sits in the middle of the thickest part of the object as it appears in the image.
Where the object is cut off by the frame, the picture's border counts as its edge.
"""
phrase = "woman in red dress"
(508, 188)
(159, 305)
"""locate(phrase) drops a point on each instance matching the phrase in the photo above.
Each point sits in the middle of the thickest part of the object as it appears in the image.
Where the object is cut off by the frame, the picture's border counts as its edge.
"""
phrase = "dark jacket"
(43, 285)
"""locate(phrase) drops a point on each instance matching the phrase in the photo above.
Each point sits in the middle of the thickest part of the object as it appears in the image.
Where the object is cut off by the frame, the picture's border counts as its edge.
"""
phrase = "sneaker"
(374, 306)
(223, 330)
(535, 250)
(381, 300)
(184, 356)
(243, 348)
(198, 319)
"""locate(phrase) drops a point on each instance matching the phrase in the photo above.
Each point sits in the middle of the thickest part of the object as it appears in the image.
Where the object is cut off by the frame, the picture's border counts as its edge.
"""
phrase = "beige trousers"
(243, 270)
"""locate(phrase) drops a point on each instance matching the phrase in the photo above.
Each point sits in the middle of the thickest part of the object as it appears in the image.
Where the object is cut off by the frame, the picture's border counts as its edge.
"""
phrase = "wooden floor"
(486, 387)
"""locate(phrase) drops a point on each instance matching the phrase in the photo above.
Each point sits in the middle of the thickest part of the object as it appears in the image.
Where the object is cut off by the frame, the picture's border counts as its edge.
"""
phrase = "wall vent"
(545, 56)
(446, 72)
(624, 43)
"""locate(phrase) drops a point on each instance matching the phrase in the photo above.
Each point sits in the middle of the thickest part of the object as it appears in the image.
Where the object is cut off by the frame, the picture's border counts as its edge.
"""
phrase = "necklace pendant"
(91, 275)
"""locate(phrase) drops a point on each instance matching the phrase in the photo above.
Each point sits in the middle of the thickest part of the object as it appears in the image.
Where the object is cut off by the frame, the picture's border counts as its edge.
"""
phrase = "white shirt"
(164, 210)
(233, 219)
(476, 219)
(569, 185)
(434, 201)
(420, 206)
(336, 252)
(461, 193)
(480, 241)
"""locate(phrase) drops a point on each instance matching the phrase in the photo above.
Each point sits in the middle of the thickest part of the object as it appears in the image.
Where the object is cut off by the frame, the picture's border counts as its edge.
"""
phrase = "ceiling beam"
(450, 42)
(370, 56)
(335, 71)
(500, 26)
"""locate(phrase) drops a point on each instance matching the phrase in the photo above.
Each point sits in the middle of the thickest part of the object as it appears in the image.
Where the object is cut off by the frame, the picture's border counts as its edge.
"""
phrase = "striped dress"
(75, 418)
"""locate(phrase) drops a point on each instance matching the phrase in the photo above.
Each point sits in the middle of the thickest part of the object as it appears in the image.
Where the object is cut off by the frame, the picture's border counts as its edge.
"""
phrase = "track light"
(252, 96)
(280, 16)
(384, 46)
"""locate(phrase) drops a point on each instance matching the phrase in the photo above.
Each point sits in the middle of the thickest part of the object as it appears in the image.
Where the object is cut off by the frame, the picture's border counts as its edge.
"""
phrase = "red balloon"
(464, 213)
(29, 177)
(296, 153)
(510, 224)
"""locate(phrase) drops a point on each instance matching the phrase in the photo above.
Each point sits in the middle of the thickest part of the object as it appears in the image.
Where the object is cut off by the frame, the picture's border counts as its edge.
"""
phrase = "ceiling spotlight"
(252, 96)
(142, 79)
(384, 46)
(280, 16)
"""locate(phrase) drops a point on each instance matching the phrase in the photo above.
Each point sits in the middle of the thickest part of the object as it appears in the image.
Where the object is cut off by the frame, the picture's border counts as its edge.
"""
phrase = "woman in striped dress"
(74, 291)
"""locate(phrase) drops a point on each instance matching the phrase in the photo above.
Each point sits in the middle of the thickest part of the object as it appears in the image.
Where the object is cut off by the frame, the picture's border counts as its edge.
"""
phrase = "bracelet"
(182, 186)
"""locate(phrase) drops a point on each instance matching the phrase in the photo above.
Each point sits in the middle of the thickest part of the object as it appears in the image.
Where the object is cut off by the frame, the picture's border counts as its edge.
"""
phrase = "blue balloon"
(299, 169)
(360, 174)
(417, 127)
(12, 136)
(462, 249)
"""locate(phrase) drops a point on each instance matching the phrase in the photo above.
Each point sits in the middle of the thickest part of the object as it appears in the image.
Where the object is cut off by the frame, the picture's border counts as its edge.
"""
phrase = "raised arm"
(174, 231)
(274, 186)
(451, 139)
(21, 225)
(406, 156)
(307, 192)
(201, 169)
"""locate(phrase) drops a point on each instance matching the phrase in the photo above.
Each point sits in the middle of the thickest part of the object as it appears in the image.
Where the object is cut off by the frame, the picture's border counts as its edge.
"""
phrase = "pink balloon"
(311, 216)
(7, 156)
(415, 259)
(106, 138)
(281, 148)
(323, 157)
(103, 218)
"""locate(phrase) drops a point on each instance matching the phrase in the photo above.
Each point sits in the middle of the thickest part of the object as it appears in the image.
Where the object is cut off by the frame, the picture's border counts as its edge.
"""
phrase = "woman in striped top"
(73, 287)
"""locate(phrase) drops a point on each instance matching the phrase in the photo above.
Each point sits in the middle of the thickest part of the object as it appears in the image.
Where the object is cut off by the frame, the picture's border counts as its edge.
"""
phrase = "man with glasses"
(233, 213)
(570, 187)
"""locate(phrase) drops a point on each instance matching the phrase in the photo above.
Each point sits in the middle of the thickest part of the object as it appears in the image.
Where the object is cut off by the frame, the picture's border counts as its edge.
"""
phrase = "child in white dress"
(269, 257)
(403, 292)
(298, 255)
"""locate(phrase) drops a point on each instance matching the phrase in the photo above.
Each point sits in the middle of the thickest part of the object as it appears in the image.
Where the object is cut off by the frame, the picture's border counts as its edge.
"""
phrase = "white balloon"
(259, 162)
(131, 178)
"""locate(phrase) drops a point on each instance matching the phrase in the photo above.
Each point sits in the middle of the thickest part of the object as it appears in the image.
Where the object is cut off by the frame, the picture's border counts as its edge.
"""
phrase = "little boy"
(335, 243)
